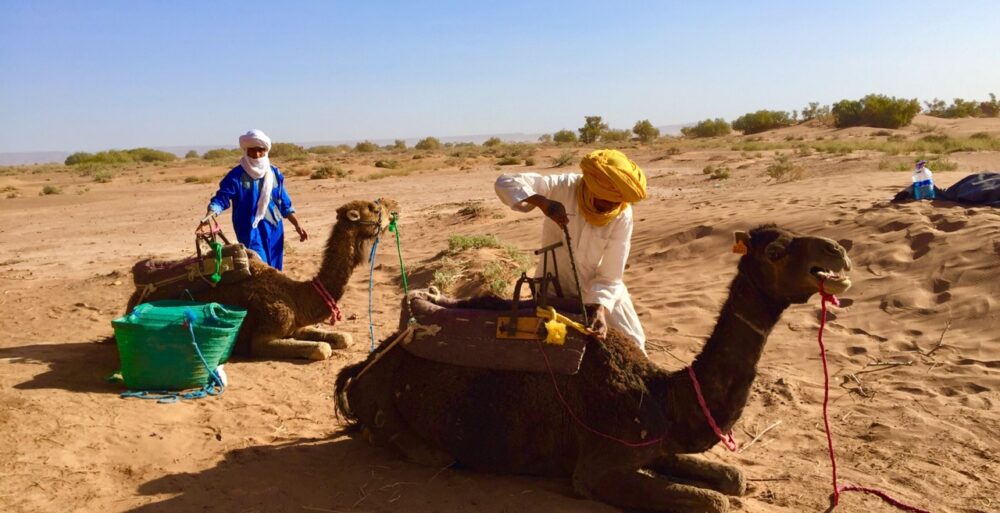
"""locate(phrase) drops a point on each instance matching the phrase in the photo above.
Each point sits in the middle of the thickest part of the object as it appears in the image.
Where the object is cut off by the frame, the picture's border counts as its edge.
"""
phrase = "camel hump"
(465, 333)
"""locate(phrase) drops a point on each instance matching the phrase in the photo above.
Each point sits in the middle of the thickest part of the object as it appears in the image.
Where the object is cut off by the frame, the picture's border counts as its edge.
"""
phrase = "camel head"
(358, 224)
(789, 267)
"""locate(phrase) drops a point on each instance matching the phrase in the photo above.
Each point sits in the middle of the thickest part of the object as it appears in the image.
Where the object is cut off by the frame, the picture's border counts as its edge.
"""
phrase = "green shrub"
(287, 151)
(530, 161)
(103, 176)
(492, 141)
(399, 144)
(815, 111)
(592, 129)
(875, 110)
(564, 159)
(960, 108)
(325, 149)
(428, 143)
(120, 157)
(981, 135)
(762, 121)
(463, 242)
(49, 189)
(783, 170)
(323, 172)
(708, 128)
(645, 131)
(545, 138)
(222, 153)
(387, 164)
(564, 137)
(192, 154)
(508, 161)
(365, 147)
(612, 135)
(717, 172)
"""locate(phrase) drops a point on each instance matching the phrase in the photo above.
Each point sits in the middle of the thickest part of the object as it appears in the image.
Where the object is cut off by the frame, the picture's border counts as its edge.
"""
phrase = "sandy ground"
(926, 295)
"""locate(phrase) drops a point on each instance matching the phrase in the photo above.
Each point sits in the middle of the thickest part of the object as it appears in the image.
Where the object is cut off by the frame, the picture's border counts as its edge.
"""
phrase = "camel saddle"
(170, 278)
(464, 333)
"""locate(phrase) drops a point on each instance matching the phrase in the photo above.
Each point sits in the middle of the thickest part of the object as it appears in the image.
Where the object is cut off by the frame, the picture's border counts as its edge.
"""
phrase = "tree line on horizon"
(874, 110)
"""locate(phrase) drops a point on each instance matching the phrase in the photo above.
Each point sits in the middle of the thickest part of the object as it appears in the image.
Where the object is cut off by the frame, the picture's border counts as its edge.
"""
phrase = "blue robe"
(268, 239)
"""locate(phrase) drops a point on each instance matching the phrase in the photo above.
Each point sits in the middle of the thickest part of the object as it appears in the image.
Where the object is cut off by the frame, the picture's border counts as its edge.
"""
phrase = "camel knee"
(322, 351)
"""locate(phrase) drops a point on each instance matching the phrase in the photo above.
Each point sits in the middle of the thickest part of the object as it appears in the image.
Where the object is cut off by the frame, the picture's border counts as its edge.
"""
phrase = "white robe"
(600, 251)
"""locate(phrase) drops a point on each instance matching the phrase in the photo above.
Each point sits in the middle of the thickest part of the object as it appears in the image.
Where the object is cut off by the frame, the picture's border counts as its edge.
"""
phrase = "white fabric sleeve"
(608, 286)
(513, 189)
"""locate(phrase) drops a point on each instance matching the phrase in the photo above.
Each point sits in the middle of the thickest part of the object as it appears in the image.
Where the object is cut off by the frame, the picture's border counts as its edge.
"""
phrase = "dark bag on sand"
(976, 189)
(171, 278)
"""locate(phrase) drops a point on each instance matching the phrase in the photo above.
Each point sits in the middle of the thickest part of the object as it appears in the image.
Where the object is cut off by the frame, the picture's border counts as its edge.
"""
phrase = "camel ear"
(777, 249)
(353, 215)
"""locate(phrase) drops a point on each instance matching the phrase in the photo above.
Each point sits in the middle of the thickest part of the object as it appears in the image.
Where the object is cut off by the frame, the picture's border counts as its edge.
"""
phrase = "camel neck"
(339, 260)
(727, 364)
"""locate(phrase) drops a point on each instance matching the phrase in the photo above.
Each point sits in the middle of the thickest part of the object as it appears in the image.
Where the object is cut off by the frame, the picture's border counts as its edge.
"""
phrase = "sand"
(926, 297)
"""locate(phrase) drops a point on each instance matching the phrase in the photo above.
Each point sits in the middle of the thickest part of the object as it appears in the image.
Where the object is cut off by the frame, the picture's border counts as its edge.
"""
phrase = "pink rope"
(331, 303)
(727, 440)
(582, 424)
(826, 421)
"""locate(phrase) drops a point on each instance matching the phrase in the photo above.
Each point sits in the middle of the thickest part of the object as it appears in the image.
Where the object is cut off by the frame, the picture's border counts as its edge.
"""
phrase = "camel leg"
(720, 477)
(633, 489)
(281, 348)
(336, 339)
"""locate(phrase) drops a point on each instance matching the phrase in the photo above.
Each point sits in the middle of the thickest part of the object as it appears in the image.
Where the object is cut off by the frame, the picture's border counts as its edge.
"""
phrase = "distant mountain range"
(21, 158)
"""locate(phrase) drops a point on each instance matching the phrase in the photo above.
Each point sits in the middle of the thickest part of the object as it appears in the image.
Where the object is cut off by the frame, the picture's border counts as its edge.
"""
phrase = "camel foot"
(720, 477)
(322, 351)
(336, 339)
(632, 489)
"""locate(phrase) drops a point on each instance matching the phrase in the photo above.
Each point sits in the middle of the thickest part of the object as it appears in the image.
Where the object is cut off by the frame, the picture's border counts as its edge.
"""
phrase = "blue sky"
(87, 76)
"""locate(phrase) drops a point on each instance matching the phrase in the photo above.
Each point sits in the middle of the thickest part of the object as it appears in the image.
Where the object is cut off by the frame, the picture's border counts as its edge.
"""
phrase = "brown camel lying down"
(649, 421)
(281, 311)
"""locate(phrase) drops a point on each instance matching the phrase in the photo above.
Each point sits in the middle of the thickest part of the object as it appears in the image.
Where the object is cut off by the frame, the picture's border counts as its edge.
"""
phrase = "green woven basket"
(155, 346)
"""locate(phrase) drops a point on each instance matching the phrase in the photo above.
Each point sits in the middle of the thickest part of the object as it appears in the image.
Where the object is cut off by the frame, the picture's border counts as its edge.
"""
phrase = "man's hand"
(599, 322)
(551, 208)
(303, 236)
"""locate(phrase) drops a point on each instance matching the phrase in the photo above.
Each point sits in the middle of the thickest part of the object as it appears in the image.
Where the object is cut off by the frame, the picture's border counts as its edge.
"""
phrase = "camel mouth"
(834, 282)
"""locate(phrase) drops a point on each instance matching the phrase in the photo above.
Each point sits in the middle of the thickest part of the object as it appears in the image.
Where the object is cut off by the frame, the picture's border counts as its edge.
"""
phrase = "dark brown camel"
(281, 311)
(515, 422)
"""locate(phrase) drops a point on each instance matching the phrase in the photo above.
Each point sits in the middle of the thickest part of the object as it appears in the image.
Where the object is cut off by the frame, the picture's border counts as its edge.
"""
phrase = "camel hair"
(281, 311)
(648, 419)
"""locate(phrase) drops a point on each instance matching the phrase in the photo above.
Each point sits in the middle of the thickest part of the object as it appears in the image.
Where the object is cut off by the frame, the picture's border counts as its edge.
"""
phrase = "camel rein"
(331, 303)
(837, 489)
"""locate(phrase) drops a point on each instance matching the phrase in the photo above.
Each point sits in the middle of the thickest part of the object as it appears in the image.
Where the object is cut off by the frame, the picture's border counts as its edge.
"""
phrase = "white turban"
(255, 139)
(257, 169)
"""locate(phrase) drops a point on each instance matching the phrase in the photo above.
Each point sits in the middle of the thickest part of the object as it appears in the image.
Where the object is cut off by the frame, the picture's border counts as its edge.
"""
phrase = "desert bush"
(875, 110)
(387, 164)
(287, 151)
(324, 172)
(365, 147)
(564, 159)
(50, 189)
(612, 135)
(545, 138)
(762, 121)
(815, 111)
(428, 143)
(645, 131)
(719, 172)
(192, 154)
(980, 135)
(464, 242)
(103, 176)
(325, 149)
(708, 128)
(222, 153)
(472, 208)
(120, 157)
(592, 129)
(783, 170)
(960, 108)
(564, 136)
(492, 141)
(530, 161)
(508, 161)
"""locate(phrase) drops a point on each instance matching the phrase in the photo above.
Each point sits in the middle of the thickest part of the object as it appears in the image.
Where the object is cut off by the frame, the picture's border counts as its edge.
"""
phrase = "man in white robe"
(596, 209)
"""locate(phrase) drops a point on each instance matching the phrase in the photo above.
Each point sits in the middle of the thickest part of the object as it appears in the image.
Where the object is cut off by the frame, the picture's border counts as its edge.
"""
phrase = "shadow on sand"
(73, 366)
(342, 475)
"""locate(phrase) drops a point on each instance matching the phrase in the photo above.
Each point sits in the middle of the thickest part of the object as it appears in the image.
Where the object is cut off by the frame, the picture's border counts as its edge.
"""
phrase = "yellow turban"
(611, 176)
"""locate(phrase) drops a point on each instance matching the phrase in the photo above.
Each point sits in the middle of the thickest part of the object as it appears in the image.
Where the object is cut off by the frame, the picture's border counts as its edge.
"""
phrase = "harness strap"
(727, 439)
(331, 303)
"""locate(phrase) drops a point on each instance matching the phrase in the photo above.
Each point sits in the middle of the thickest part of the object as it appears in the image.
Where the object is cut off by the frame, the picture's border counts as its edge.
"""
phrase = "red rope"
(826, 421)
(582, 424)
(727, 440)
(331, 303)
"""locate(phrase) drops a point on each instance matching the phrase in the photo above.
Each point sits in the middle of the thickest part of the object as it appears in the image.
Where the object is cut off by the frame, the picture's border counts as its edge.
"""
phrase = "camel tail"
(344, 378)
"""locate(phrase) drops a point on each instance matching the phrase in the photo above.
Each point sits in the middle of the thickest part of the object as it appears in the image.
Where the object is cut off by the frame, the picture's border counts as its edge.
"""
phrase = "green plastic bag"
(156, 349)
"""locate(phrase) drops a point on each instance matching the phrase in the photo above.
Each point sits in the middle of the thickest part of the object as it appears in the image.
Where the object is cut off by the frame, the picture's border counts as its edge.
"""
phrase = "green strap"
(394, 228)
(217, 249)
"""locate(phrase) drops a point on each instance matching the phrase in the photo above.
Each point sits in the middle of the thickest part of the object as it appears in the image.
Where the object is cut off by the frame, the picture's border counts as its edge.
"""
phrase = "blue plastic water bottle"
(923, 182)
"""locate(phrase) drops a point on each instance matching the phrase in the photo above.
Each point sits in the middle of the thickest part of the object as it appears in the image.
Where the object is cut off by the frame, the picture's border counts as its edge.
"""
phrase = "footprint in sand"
(859, 331)
(893, 226)
(921, 244)
(943, 223)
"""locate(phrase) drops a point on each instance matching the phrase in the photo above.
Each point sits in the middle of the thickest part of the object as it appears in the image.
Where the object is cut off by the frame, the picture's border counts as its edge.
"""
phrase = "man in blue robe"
(256, 190)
